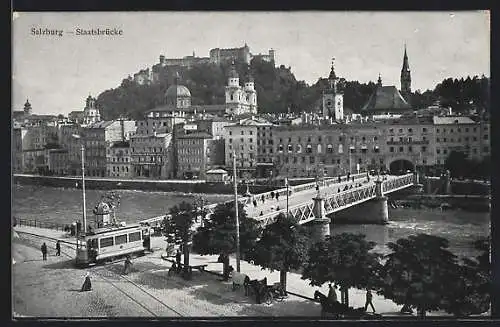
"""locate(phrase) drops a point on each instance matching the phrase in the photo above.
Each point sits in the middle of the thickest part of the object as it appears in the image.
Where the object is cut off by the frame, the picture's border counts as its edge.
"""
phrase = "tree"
(470, 291)
(218, 235)
(418, 272)
(180, 222)
(457, 163)
(283, 246)
(345, 259)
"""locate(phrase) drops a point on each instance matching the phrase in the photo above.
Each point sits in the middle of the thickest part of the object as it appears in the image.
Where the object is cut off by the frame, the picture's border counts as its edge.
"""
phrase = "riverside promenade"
(51, 288)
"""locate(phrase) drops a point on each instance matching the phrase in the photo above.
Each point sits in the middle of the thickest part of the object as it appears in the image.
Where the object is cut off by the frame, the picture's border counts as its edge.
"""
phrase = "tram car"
(113, 242)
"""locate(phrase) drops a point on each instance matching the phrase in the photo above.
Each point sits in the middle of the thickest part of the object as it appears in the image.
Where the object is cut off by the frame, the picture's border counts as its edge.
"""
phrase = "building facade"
(152, 155)
(240, 100)
(193, 155)
(119, 160)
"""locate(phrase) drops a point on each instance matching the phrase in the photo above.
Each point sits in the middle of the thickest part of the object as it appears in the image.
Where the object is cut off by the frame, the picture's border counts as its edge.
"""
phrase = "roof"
(253, 121)
(196, 135)
(452, 120)
(386, 97)
(216, 171)
(175, 91)
(209, 107)
(100, 124)
(121, 144)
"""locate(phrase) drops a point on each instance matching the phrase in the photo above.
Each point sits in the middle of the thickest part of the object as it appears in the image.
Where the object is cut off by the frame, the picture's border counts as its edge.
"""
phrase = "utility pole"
(236, 214)
(83, 189)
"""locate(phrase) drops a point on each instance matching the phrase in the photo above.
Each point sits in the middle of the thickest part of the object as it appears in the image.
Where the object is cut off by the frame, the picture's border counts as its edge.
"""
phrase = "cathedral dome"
(176, 91)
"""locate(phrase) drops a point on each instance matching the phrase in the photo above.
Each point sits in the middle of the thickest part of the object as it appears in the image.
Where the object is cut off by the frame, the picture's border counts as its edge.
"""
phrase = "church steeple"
(27, 108)
(379, 81)
(405, 78)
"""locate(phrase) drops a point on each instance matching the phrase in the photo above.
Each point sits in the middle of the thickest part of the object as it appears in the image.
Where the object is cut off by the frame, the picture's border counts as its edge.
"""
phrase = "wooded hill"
(277, 90)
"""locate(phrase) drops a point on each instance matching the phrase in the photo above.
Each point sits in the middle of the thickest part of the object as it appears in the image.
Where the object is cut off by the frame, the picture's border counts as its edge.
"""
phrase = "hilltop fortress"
(216, 56)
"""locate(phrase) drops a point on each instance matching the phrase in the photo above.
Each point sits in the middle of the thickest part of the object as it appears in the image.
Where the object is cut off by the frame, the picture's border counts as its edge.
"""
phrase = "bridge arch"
(399, 165)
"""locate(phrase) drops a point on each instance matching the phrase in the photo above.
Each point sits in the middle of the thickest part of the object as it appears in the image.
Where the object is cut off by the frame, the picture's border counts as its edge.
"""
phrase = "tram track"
(107, 280)
(106, 265)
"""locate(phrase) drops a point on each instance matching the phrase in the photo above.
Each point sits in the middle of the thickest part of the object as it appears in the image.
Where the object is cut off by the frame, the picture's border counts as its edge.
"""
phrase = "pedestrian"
(87, 284)
(262, 198)
(261, 213)
(255, 203)
(369, 297)
(58, 248)
(127, 265)
(332, 294)
(317, 187)
(178, 258)
(44, 251)
(348, 176)
(272, 195)
(353, 178)
(339, 179)
(277, 195)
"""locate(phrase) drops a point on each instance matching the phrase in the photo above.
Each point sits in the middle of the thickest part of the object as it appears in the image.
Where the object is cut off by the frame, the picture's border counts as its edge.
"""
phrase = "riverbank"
(101, 183)
(473, 203)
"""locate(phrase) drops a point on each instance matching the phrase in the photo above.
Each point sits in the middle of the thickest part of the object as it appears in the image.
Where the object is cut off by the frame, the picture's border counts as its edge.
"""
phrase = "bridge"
(307, 204)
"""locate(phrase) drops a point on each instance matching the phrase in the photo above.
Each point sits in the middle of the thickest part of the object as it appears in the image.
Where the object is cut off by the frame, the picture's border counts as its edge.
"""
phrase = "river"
(61, 205)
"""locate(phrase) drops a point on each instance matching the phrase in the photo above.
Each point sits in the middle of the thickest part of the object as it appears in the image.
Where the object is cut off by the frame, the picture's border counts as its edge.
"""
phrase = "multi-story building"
(152, 155)
(461, 134)
(216, 128)
(98, 137)
(241, 138)
(410, 143)
(218, 56)
(193, 154)
(119, 163)
(58, 161)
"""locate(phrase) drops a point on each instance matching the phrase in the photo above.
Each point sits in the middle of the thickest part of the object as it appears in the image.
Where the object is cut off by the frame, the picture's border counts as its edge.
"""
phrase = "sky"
(57, 73)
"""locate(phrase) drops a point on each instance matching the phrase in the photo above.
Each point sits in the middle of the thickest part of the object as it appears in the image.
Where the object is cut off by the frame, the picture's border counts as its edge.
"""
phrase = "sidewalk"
(294, 305)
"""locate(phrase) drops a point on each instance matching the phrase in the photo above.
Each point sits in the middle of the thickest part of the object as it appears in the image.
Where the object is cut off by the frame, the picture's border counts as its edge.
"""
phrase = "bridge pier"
(321, 223)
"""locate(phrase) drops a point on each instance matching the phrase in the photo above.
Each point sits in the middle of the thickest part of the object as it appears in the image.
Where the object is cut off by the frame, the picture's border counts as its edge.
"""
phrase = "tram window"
(120, 239)
(107, 241)
(133, 237)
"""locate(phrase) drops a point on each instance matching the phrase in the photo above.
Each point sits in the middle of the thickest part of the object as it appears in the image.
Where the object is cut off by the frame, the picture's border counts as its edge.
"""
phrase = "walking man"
(44, 251)
(127, 266)
(178, 259)
(58, 248)
(369, 297)
(262, 198)
(332, 294)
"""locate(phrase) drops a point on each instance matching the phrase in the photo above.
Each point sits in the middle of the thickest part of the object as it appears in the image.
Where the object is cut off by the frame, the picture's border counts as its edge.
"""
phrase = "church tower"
(91, 113)
(27, 108)
(333, 98)
(406, 78)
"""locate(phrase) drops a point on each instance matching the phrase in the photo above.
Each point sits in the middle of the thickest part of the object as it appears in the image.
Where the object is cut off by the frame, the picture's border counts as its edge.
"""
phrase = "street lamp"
(236, 214)
(76, 136)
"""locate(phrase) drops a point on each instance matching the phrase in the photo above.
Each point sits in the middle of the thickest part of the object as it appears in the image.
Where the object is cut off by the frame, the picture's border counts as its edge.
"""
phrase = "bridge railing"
(397, 183)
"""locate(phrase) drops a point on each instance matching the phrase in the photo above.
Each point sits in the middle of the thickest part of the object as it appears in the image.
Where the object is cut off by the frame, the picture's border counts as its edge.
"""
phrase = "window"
(438, 151)
(410, 149)
(250, 140)
(375, 138)
(401, 149)
(251, 132)
(474, 138)
(445, 151)
(485, 137)
(467, 129)
(242, 140)
(474, 150)
(391, 130)
(294, 160)
(437, 130)
(309, 149)
(290, 148)
(311, 159)
(120, 239)
(410, 130)
(230, 133)
(486, 149)
(105, 242)
(391, 149)
(400, 130)
(299, 148)
(319, 148)
(230, 140)
(424, 130)
(444, 139)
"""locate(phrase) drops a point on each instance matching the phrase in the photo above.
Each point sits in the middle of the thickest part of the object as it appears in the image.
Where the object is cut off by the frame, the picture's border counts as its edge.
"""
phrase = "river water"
(61, 205)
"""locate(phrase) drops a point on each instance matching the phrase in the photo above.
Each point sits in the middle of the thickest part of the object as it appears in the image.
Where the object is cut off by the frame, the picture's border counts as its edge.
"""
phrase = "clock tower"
(333, 99)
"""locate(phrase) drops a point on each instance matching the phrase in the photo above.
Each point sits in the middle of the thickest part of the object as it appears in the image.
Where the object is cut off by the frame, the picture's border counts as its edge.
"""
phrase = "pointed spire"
(379, 82)
(406, 66)
(332, 71)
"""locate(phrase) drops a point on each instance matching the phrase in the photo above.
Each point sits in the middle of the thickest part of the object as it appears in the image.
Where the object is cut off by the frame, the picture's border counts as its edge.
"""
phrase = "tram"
(111, 242)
